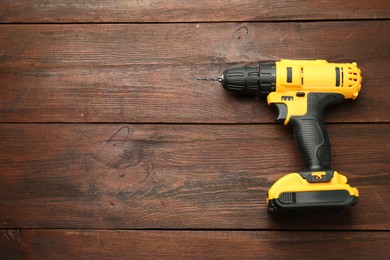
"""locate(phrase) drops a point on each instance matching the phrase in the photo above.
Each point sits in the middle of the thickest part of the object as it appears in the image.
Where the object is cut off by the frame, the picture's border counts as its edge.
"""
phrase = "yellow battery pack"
(293, 192)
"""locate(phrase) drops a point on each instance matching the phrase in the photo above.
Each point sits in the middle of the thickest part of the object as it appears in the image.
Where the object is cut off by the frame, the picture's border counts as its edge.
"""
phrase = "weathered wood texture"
(92, 162)
(85, 244)
(177, 176)
(147, 72)
(43, 11)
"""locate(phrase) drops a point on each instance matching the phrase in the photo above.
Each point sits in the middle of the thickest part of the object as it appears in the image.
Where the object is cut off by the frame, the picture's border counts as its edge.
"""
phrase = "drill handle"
(310, 133)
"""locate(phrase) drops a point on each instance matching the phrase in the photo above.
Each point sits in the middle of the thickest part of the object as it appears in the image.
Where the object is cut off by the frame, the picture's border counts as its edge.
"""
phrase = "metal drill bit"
(212, 79)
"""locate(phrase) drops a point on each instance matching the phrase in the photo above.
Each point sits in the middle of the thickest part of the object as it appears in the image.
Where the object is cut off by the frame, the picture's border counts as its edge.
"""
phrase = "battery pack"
(292, 193)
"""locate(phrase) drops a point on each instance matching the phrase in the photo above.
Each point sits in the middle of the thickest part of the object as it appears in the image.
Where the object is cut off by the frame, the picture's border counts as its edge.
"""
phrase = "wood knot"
(120, 152)
(241, 34)
(14, 236)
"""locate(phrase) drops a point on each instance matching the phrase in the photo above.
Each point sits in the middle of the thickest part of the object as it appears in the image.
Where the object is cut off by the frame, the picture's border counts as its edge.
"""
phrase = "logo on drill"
(287, 98)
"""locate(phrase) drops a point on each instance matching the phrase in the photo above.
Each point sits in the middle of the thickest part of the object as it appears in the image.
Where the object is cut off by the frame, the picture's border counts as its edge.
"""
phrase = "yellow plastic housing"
(294, 182)
(305, 76)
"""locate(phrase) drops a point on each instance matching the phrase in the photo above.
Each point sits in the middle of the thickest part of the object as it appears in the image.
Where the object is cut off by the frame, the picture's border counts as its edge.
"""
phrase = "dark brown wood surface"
(110, 148)
(47, 11)
(176, 176)
(97, 244)
(148, 72)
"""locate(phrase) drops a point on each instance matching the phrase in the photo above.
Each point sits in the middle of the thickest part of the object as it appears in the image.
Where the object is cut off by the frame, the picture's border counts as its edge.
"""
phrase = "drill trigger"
(282, 112)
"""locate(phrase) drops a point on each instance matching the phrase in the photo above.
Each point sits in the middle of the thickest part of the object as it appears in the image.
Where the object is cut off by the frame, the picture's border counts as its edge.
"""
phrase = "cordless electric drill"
(301, 90)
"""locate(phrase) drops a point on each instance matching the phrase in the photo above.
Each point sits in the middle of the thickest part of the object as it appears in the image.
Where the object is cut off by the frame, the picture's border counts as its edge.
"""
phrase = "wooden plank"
(46, 11)
(98, 244)
(177, 176)
(147, 72)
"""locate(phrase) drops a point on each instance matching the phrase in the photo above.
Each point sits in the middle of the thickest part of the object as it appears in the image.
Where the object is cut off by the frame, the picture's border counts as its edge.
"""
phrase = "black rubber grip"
(310, 133)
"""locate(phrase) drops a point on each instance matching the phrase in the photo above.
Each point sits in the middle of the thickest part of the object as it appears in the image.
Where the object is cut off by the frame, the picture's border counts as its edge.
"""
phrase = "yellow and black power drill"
(301, 90)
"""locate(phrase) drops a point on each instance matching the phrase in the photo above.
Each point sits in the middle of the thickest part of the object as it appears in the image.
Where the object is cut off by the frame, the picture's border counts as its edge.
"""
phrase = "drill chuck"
(250, 79)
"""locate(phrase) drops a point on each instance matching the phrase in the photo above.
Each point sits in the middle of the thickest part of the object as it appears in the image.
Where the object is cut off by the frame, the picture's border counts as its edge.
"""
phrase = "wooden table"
(110, 148)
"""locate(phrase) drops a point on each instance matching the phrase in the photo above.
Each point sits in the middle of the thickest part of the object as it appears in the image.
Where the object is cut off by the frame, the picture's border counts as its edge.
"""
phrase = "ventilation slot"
(352, 77)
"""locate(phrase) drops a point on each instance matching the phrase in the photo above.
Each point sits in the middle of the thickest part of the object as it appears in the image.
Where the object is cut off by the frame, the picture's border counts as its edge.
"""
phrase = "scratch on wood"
(349, 35)
(163, 201)
(373, 13)
(124, 196)
(14, 236)
(128, 134)
(150, 169)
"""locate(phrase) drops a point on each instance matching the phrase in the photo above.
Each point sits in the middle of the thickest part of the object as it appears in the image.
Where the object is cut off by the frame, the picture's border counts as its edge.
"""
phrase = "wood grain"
(47, 11)
(97, 244)
(83, 175)
(147, 72)
(176, 176)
